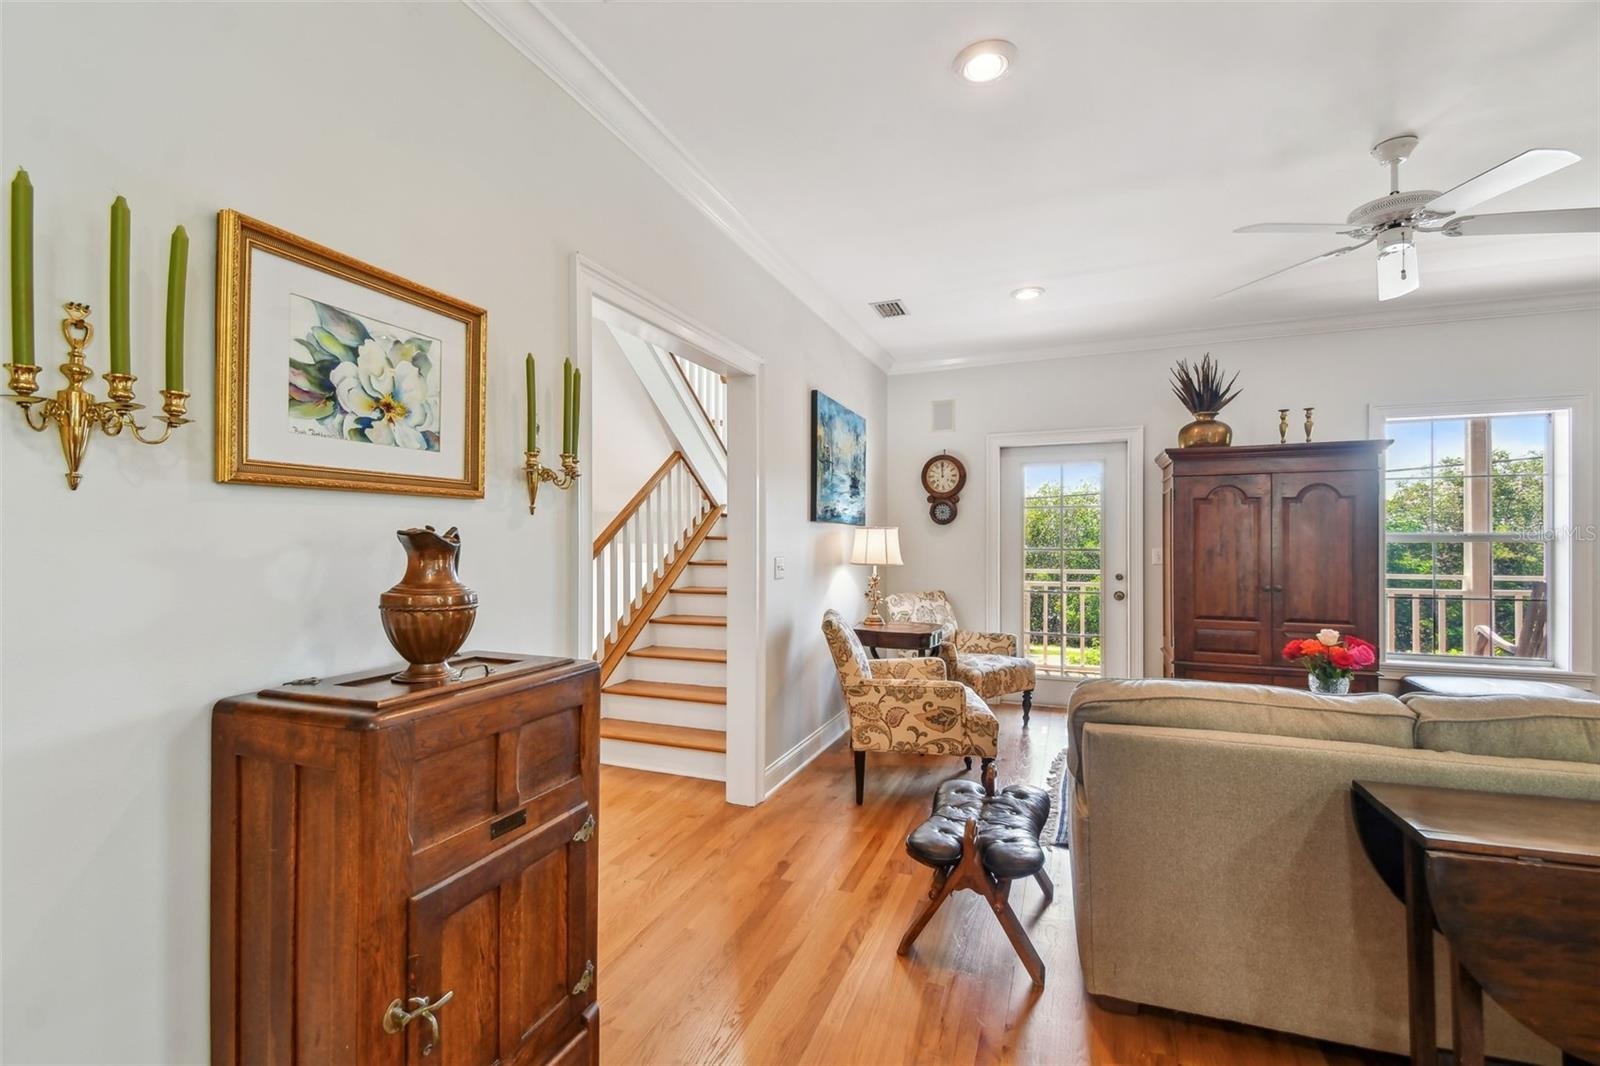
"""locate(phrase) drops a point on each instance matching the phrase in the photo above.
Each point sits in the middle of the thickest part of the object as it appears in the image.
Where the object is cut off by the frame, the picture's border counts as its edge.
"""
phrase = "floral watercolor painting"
(838, 462)
(358, 379)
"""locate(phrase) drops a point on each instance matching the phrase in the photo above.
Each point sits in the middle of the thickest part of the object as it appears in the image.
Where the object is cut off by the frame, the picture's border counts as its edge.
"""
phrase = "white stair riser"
(715, 576)
(684, 762)
(664, 712)
(712, 549)
(684, 636)
(685, 603)
(679, 671)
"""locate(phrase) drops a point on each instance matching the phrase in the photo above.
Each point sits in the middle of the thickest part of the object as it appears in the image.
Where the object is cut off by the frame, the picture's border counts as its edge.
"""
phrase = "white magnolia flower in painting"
(1330, 637)
(384, 401)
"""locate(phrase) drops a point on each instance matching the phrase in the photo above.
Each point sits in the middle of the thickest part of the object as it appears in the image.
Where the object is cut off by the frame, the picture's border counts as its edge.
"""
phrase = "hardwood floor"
(767, 935)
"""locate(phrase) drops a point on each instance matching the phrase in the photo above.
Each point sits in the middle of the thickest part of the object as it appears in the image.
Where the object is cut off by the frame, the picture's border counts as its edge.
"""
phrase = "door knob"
(397, 1017)
(1117, 576)
(1119, 595)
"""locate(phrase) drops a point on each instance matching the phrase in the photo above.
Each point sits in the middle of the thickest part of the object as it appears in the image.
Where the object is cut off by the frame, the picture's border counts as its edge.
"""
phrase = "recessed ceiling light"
(1027, 292)
(986, 61)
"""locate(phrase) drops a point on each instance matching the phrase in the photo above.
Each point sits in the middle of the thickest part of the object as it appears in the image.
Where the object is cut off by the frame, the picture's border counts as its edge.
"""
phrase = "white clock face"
(943, 476)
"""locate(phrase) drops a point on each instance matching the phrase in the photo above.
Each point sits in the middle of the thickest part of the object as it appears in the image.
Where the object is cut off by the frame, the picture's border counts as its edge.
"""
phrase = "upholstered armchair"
(906, 705)
(986, 662)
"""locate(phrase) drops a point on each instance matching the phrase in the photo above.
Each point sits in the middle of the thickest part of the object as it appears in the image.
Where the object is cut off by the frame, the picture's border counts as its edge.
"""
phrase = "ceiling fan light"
(1398, 273)
(985, 61)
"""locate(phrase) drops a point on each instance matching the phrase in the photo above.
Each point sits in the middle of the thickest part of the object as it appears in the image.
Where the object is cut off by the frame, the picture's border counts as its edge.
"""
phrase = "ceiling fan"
(1392, 222)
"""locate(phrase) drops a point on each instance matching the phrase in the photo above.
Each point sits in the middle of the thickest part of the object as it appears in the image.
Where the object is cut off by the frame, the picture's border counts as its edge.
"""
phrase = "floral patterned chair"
(906, 705)
(986, 662)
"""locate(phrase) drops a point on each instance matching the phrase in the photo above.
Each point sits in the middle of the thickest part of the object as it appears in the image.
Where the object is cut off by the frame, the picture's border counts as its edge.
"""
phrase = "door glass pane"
(1063, 527)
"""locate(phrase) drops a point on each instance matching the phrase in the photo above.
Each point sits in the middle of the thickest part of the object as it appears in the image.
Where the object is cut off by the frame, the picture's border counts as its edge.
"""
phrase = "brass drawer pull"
(585, 982)
(585, 831)
(397, 1017)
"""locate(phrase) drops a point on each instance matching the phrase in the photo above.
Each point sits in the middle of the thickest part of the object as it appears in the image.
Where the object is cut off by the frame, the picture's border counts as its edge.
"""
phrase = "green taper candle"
(567, 407)
(177, 278)
(22, 269)
(119, 286)
(533, 409)
(577, 407)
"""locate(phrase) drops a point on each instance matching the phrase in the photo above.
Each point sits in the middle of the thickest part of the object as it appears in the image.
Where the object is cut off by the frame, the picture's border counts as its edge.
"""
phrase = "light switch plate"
(1155, 557)
(778, 569)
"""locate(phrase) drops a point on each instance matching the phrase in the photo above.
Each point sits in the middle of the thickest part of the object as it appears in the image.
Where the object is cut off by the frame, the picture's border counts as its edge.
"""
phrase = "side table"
(923, 638)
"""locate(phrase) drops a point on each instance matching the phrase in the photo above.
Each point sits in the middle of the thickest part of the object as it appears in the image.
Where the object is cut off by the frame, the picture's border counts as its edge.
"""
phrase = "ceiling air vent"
(889, 308)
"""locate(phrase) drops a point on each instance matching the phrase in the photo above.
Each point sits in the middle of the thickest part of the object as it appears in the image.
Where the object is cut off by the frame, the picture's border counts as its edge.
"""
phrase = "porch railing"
(641, 552)
(1079, 589)
(1434, 604)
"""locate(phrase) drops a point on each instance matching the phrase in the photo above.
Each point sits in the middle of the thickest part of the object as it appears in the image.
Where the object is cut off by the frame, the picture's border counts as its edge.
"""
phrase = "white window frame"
(1571, 572)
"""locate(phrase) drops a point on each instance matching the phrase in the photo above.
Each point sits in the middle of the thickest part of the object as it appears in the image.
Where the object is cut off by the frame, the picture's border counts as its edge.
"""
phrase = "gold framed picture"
(334, 374)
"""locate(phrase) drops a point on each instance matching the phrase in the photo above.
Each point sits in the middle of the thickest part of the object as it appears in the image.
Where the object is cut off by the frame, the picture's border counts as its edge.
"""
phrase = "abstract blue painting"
(838, 462)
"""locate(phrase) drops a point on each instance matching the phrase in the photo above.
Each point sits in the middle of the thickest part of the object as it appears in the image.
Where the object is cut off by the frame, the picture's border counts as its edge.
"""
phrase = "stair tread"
(708, 562)
(688, 655)
(668, 690)
(715, 536)
(689, 620)
(670, 736)
(700, 590)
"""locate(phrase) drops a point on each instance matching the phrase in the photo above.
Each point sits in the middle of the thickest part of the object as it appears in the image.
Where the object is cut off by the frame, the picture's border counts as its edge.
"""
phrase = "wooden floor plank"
(767, 935)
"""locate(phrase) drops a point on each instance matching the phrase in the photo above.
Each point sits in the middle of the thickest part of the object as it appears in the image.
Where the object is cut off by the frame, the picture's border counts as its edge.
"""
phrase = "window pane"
(1518, 502)
(1449, 501)
(1041, 482)
(1408, 503)
(1449, 444)
(1412, 450)
(1518, 440)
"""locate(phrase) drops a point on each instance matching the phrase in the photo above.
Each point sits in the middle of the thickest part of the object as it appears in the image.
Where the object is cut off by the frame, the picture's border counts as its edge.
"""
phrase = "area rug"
(1058, 784)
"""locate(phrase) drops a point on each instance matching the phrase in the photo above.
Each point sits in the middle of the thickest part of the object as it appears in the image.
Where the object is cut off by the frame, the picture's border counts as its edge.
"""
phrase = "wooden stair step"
(690, 620)
(669, 690)
(685, 655)
(708, 562)
(700, 590)
(715, 536)
(668, 736)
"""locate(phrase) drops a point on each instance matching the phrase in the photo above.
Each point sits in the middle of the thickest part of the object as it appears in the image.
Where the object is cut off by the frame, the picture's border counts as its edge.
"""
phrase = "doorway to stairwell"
(670, 605)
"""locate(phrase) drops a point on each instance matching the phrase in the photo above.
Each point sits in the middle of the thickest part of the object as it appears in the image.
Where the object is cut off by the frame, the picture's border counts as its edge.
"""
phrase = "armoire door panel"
(1221, 588)
(485, 936)
(1321, 561)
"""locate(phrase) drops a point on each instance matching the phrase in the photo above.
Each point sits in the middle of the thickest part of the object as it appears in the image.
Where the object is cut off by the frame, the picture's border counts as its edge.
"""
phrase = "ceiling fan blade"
(1294, 227)
(1397, 271)
(1569, 220)
(1531, 165)
(1325, 255)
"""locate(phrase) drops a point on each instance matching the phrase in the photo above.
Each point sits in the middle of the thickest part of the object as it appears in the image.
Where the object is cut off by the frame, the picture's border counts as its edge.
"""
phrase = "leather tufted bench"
(983, 840)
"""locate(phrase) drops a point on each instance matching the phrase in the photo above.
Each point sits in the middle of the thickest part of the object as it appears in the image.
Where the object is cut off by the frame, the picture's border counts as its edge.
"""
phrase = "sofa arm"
(973, 643)
(923, 669)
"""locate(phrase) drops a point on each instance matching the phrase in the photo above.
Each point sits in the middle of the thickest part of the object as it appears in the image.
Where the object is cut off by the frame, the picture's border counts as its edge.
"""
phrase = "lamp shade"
(877, 546)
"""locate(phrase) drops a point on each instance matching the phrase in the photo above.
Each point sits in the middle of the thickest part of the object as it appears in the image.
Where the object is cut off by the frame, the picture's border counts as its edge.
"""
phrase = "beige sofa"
(1215, 864)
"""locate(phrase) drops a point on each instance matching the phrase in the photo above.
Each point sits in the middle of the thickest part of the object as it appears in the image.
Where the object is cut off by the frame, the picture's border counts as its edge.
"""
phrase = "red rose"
(1291, 650)
(1341, 657)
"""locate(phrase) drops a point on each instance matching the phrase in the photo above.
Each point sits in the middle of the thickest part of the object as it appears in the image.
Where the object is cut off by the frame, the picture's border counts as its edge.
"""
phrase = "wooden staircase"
(663, 697)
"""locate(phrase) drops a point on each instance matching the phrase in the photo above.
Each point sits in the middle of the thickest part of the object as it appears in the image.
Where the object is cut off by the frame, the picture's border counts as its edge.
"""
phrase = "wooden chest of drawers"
(378, 847)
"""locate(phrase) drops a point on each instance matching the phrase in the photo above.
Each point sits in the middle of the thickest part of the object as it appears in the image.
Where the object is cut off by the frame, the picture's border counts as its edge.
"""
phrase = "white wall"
(630, 441)
(1338, 373)
(413, 137)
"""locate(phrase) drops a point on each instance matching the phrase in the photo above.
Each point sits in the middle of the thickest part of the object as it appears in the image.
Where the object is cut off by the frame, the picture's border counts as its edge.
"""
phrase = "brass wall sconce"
(537, 473)
(75, 411)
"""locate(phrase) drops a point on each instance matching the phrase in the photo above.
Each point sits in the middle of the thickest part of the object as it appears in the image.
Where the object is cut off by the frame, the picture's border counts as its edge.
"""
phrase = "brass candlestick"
(75, 411)
(1308, 423)
(1283, 425)
(537, 473)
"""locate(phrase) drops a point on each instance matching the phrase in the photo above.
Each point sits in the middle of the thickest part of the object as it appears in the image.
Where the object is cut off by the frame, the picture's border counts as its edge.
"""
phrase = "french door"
(1064, 561)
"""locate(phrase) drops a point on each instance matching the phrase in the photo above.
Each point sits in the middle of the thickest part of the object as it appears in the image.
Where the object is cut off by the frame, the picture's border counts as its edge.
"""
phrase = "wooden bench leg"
(1016, 934)
(936, 896)
(1046, 884)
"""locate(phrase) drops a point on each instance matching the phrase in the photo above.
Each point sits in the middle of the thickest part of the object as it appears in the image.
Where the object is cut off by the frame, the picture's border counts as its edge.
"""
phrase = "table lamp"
(876, 546)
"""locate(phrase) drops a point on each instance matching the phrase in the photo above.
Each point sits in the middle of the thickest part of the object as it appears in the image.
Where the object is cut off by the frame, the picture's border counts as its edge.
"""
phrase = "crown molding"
(1462, 311)
(532, 30)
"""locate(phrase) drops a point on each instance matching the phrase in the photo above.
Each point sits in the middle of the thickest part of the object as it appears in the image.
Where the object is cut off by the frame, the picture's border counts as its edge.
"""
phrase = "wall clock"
(943, 478)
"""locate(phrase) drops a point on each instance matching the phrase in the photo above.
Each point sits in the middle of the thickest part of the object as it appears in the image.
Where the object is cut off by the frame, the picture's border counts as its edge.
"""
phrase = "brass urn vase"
(430, 612)
(1205, 432)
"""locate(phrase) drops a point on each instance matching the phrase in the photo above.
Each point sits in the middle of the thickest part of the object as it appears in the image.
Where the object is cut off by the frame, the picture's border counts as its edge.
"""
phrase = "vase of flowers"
(1203, 393)
(1330, 660)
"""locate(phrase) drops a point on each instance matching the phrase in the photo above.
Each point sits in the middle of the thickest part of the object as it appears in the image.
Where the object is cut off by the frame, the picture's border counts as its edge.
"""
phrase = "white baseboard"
(798, 757)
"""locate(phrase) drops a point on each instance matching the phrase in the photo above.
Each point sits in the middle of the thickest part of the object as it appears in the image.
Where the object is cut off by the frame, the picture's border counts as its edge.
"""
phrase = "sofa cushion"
(1372, 718)
(1529, 727)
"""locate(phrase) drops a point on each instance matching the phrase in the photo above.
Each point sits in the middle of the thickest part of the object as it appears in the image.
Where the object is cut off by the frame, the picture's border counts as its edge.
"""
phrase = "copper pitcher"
(430, 612)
